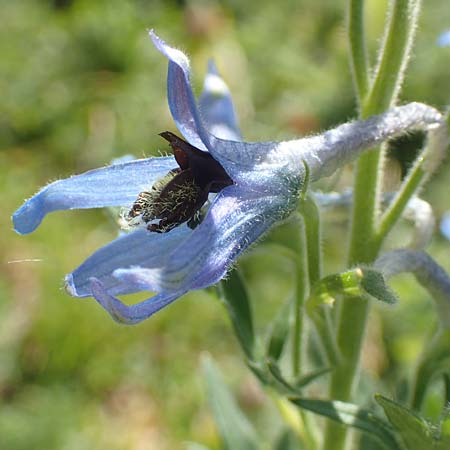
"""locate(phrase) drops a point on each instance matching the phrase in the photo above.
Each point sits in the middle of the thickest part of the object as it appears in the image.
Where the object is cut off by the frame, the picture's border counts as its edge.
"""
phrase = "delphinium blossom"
(191, 215)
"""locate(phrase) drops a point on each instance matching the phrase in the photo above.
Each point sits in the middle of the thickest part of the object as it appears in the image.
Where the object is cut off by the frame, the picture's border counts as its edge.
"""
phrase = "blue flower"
(241, 188)
(445, 225)
(444, 39)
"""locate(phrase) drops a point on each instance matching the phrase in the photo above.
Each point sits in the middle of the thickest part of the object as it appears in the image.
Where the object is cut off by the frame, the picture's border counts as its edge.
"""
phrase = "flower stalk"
(364, 245)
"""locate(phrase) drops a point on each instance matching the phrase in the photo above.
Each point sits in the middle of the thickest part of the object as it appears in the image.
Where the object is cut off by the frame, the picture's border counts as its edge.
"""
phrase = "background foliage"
(81, 84)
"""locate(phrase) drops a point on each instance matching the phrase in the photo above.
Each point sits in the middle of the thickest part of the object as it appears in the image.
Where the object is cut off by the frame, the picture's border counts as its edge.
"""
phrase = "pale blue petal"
(115, 185)
(216, 106)
(250, 163)
(139, 248)
(444, 39)
(132, 314)
(236, 219)
(181, 99)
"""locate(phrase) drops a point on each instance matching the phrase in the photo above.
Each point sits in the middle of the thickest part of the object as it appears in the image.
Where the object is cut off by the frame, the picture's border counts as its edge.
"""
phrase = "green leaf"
(235, 296)
(435, 361)
(415, 432)
(308, 378)
(279, 332)
(300, 383)
(281, 382)
(234, 428)
(352, 416)
(287, 440)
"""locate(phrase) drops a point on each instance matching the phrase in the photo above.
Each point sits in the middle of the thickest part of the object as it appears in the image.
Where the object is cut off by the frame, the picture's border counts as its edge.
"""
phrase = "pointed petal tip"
(69, 286)
(212, 68)
(173, 54)
(153, 36)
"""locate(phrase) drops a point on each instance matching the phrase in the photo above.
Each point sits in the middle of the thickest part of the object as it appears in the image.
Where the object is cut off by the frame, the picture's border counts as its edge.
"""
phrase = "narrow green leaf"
(287, 440)
(352, 416)
(259, 370)
(295, 387)
(415, 432)
(235, 296)
(234, 428)
(435, 361)
(279, 332)
(275, 371)
(308, 378)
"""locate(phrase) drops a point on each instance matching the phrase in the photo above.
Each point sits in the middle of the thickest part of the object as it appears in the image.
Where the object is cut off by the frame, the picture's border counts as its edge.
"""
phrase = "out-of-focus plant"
(196, 212)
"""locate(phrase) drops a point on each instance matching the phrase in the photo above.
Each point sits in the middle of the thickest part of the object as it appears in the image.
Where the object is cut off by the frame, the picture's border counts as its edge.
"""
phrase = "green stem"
(322, 320)
(301, 287)
(396, 208)
(358, 51)
(301, 280)
(396, 48)
(311, 217)
(364, 245)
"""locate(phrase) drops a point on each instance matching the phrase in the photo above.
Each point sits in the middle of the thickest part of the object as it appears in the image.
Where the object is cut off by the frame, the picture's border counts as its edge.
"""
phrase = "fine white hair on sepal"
(331, 150)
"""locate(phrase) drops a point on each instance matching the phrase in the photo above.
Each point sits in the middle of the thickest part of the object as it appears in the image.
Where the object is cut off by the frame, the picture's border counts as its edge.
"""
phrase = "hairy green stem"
(396, 48)
(396, 208)
(364, 245)
(311, 217)
(301, 280)
(358, 51)
(322, 320)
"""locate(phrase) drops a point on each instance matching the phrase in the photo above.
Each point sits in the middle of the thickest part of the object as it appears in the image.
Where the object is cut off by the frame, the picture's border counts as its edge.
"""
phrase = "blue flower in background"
(445, 225)
(192, 214)
(444, 39)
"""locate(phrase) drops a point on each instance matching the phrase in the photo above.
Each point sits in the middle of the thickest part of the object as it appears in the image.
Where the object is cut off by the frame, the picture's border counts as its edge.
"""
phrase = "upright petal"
(181, 99)
(115, 185)
(139, 248)
(236, 219)
(216, 106)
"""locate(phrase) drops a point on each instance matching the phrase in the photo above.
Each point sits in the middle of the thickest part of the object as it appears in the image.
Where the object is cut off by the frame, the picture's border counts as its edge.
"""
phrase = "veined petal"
(216, 106)
(181, 99)
(139, 248)
(115, 185)
(236, 219)
(132, 314)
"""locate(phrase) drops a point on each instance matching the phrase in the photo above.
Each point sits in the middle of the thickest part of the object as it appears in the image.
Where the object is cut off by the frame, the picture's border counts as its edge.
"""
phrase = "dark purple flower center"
(179, 196)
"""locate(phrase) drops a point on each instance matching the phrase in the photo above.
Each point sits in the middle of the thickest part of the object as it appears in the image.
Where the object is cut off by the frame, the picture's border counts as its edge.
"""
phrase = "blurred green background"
(81, 84)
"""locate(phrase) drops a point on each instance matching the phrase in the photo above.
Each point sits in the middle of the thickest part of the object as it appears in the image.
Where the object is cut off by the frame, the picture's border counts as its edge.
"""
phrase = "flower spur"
(256, 185)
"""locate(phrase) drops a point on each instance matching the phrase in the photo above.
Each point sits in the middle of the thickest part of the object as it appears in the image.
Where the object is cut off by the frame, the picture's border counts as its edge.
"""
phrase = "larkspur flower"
(245, 187)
